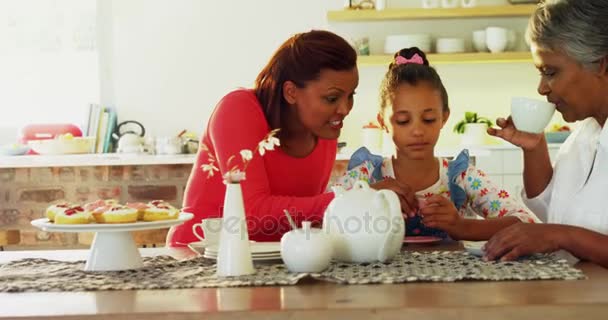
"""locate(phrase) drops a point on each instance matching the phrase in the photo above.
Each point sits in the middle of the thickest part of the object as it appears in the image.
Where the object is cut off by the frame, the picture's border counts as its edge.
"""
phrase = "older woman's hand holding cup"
(524, 128)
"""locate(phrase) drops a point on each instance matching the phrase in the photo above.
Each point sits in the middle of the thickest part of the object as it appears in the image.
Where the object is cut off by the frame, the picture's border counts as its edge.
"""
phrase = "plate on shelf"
(421, 239)
(474, 247)
(46, 225)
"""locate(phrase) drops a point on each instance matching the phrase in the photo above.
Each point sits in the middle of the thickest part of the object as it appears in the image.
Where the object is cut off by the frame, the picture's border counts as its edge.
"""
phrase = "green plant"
(471, 117)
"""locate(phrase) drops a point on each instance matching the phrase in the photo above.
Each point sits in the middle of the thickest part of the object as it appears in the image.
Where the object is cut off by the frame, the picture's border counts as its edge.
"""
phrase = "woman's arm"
(537, 169)
(524, 239)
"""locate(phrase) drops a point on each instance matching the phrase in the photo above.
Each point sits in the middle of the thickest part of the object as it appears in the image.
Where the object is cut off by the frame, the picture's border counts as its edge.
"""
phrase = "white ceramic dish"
(474, 247)
(13, 150)
(254, 258)
(450, 45)
(255, 247)
(75, 145)
(394, 43)
(113, 247)
(46, 225)
(260, 251)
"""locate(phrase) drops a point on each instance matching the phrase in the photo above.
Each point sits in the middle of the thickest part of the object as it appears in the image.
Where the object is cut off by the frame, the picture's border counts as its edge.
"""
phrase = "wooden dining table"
(539, 299)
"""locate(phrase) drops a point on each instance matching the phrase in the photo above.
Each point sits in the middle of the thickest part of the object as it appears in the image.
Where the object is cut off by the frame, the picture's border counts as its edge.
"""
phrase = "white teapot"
(366, 225)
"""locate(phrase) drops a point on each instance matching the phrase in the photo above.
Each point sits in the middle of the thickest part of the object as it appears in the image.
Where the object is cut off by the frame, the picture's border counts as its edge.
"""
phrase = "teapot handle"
(386, 251)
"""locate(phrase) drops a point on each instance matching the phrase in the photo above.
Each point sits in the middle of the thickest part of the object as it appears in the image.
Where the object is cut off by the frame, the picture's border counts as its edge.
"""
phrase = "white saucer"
(474, 247)
(257, 248)
(252, 258)
(260, 251)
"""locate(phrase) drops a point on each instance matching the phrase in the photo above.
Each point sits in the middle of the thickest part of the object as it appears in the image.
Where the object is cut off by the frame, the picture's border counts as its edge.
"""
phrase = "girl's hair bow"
(415, 59)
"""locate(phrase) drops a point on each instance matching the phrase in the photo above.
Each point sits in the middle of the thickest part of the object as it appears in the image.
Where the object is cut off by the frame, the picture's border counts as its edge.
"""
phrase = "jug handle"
(395, 214)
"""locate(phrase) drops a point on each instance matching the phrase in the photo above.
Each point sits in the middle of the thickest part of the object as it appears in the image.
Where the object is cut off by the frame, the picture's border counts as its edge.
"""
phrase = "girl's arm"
(496, 205)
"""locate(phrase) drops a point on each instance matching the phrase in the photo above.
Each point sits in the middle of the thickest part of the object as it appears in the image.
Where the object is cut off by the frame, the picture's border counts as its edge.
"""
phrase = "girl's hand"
(522, 239)
(508, 132)
(439, 212)
(407, 197)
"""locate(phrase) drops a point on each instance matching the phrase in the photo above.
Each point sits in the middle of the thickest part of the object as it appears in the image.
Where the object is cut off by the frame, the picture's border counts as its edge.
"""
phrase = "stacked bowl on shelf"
(394, 43)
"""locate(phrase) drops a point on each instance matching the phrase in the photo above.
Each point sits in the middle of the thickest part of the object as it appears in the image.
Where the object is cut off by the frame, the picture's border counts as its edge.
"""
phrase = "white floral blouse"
(483, 198)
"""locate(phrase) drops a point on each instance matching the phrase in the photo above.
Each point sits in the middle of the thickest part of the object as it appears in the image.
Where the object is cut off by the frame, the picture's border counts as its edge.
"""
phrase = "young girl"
(414, 108)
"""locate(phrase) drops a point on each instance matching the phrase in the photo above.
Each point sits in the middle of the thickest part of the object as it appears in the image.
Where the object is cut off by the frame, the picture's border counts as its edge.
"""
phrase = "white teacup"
(531, 115)
(429, 4)
(497, 39)
(211, 230)
(468, 3)
(450, 3)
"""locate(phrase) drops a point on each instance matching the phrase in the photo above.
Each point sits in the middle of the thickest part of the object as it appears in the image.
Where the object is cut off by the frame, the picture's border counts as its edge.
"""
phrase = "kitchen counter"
(117, 159)
(81, 160)
(540, 299)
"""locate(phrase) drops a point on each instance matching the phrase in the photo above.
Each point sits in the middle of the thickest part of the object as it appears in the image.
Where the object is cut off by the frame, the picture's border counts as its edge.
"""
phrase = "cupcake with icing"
(160, 210)
(72, 215)
(140, 207)
(115, 214)
(100, 205)
(52, 210)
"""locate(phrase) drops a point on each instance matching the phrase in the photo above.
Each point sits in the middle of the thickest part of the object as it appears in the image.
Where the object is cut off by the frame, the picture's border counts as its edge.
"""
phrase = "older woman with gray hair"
(569, 44)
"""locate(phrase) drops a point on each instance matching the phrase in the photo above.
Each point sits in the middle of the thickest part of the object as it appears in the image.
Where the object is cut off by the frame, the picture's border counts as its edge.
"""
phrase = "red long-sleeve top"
(274, 181)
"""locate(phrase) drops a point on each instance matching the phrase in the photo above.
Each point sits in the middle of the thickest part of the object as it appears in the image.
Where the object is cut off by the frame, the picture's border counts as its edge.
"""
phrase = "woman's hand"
(508, 132)
(407, 197)
(523, 239)
(439, 212)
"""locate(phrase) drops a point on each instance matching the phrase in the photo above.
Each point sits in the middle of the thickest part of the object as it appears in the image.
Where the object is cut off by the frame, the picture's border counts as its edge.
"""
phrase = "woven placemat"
(160, 272)
(164, 272)
(450, 266)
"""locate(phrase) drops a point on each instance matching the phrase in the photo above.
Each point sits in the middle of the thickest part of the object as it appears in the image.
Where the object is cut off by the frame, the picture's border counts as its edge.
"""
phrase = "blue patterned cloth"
(414, 225)
(361, 156)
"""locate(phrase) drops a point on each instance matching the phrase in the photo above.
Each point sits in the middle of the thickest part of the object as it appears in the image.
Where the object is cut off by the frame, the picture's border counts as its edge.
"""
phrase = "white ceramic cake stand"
(113, 247)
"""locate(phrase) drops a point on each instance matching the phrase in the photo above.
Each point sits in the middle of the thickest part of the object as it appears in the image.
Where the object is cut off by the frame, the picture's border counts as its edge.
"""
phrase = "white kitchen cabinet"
(504, 166)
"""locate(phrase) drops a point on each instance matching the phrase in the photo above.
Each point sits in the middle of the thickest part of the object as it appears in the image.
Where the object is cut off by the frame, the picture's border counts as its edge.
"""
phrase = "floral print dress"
(481, 197)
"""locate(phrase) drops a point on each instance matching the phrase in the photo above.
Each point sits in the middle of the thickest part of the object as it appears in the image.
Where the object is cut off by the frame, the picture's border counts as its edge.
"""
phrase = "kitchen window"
(49, 67)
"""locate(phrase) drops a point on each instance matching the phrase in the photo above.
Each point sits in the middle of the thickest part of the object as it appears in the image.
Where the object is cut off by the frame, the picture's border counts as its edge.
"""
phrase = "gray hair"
(579, 28)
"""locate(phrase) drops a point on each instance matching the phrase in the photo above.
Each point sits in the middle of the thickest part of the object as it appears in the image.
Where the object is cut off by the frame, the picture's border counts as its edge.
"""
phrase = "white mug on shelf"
(380, 4)
(468, 3)
(429, 4)
(497, 39)
(479, 41)
(450, 3)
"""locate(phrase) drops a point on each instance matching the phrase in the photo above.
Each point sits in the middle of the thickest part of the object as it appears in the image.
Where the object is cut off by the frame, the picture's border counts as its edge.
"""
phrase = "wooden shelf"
(454, 58)
(435, 13)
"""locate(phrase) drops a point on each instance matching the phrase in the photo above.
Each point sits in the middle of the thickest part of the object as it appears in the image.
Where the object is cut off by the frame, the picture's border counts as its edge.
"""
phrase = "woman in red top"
(306, 90)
